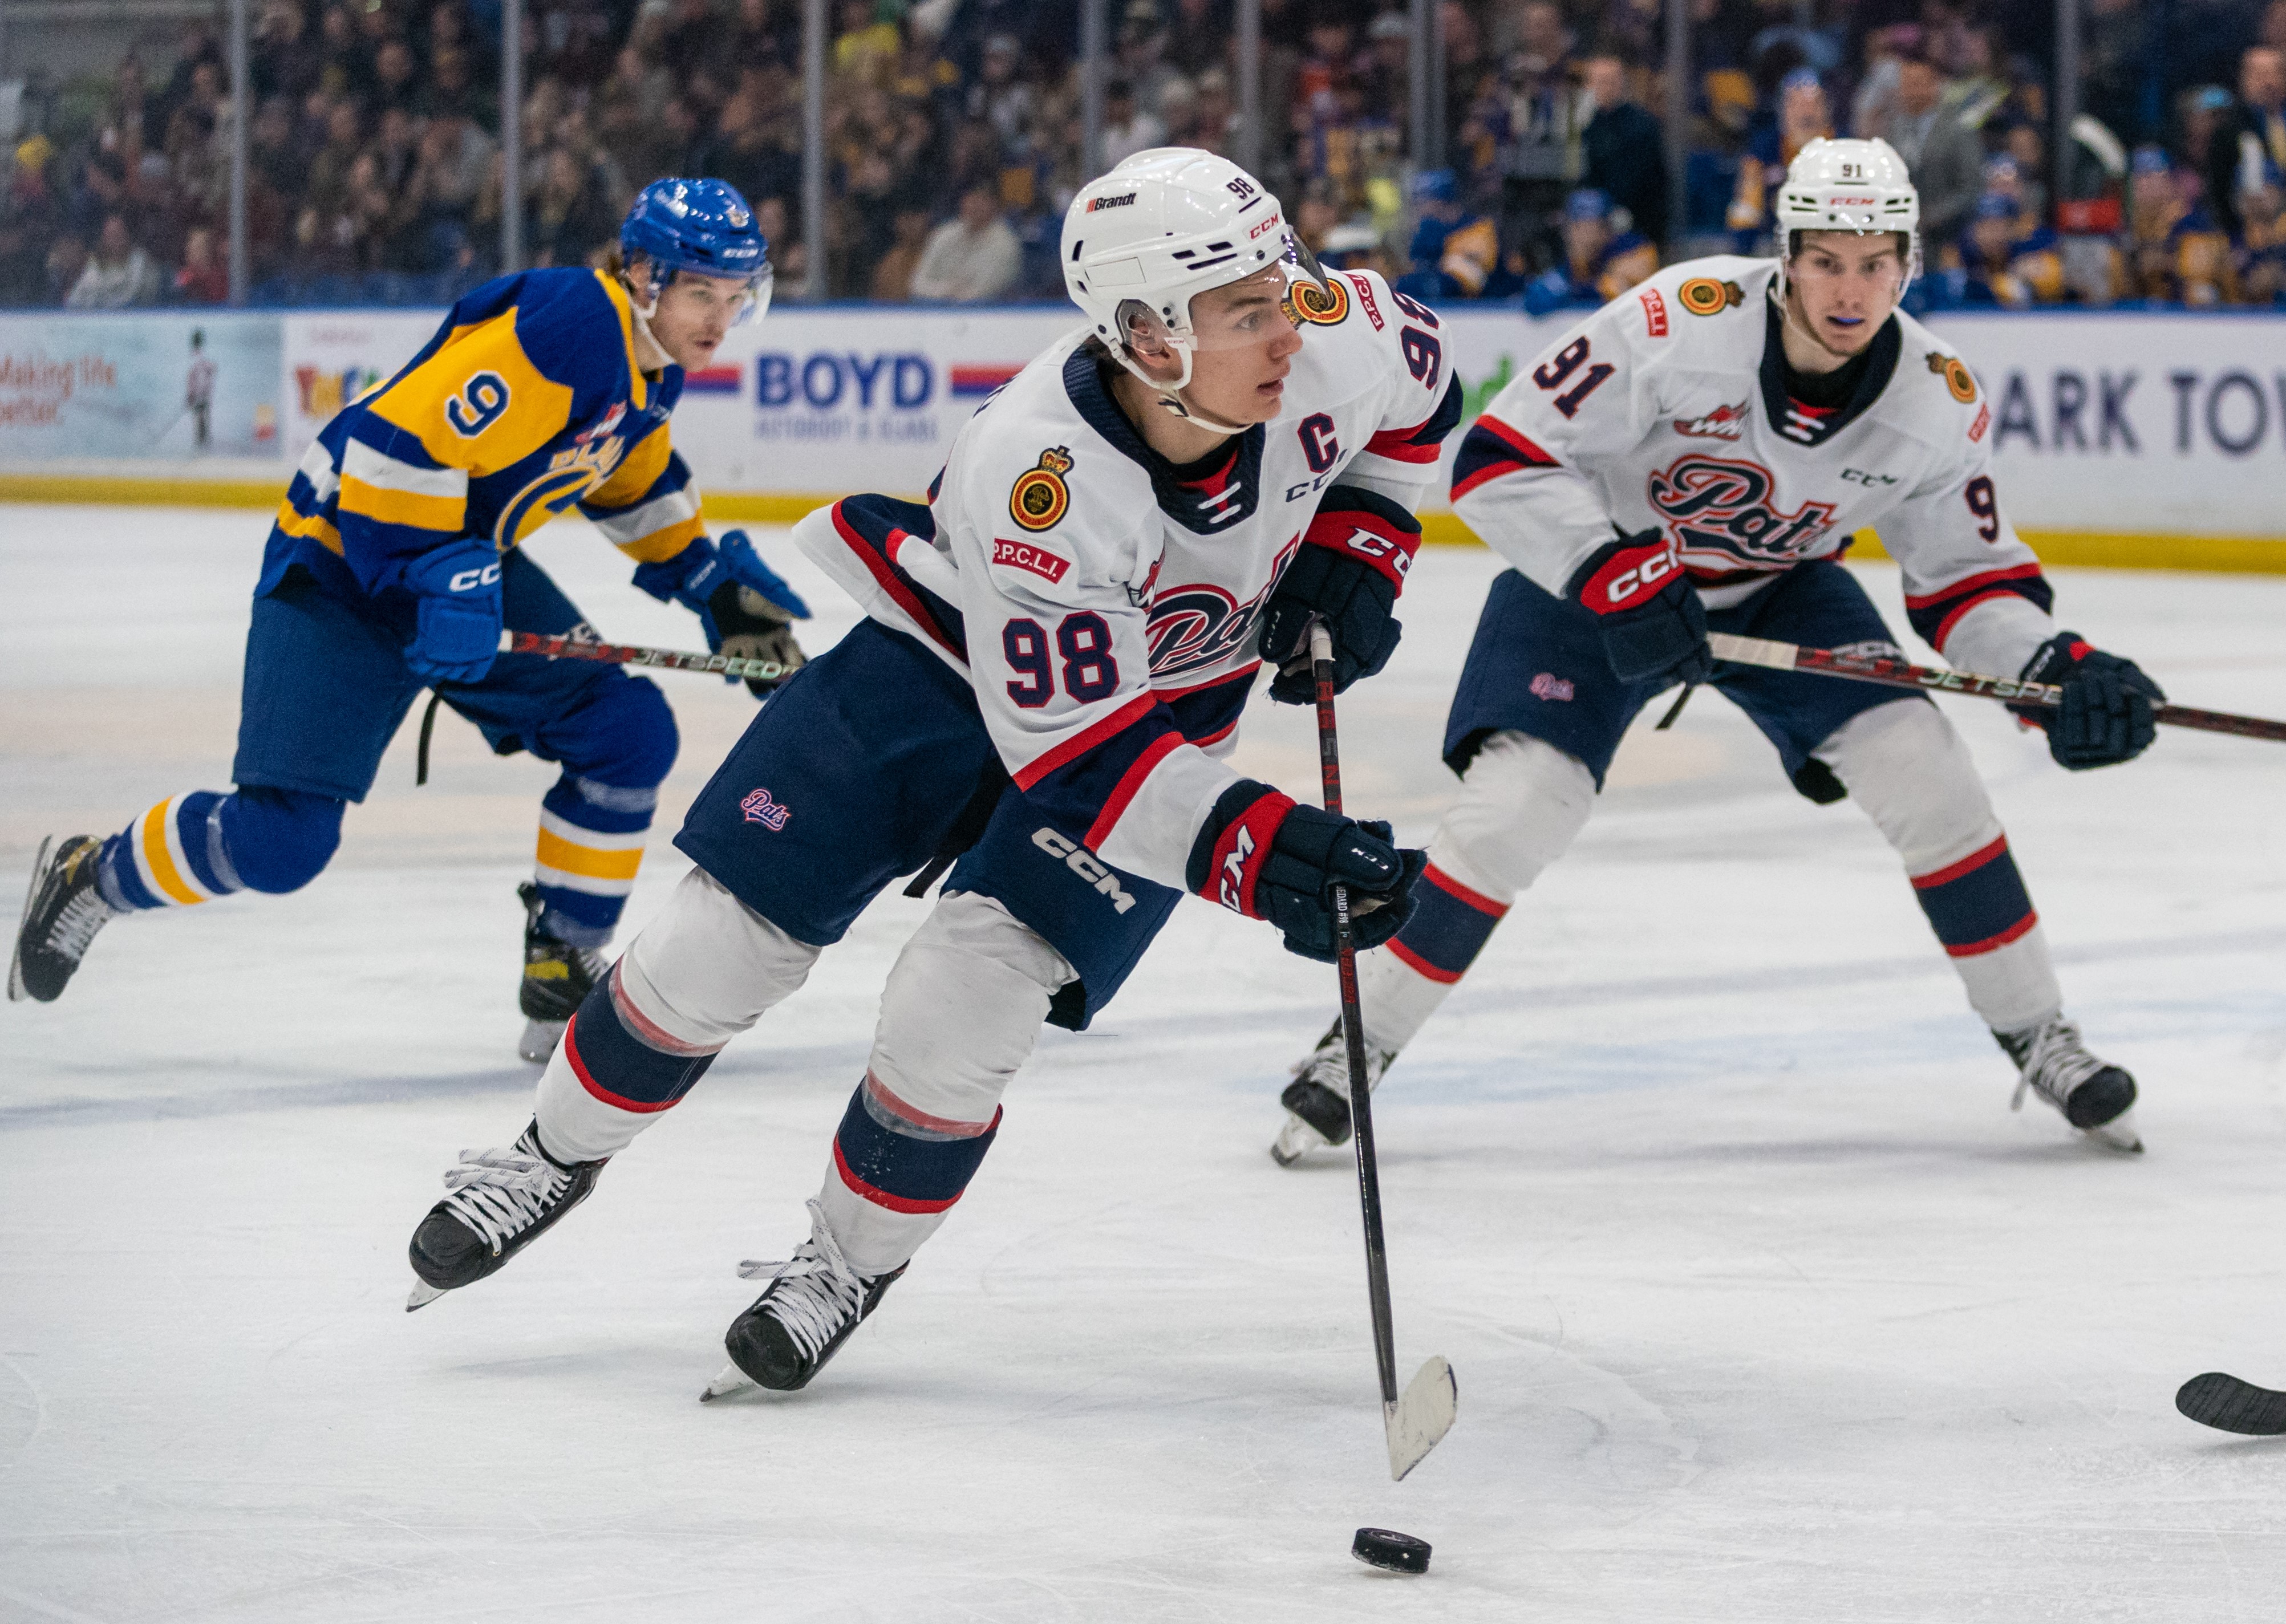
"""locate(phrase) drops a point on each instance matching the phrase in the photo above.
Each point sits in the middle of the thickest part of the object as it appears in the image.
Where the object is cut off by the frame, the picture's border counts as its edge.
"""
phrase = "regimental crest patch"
(1704, 295)
(1957, 376)
(1040, 498)
(1322, 305)
(1724, 423)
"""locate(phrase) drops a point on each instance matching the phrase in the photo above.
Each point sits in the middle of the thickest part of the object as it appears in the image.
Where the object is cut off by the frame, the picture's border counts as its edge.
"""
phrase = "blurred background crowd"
(953, 139)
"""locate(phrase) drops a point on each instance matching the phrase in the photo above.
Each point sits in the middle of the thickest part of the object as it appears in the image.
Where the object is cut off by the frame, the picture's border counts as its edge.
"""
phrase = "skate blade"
(730, 1381)
(1418, 1423)
(423, 1294)
(17, 991)
(2120, 1133)
(1296, 1140)
(540, 1038)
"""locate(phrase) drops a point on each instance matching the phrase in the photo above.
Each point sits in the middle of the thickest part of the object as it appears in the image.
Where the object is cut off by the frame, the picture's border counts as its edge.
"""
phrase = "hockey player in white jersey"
(1052, 672)
(1700, 450)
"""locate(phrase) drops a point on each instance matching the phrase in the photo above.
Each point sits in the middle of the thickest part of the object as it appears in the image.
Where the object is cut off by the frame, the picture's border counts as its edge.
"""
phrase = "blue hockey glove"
(1654, 626)
(743, 606)
(1264, 856)
(1349, 570)
(457, 637)
(2105, 715)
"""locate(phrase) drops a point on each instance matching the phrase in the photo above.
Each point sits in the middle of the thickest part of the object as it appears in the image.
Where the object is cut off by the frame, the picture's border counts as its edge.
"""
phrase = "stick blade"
(1418, 1423)
(2230, 1405)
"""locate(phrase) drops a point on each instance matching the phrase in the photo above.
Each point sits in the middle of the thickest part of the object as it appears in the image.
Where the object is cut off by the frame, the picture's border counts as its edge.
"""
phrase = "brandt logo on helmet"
(1120, 202)
(759, 809)
(1724, 423)
(1547, 685)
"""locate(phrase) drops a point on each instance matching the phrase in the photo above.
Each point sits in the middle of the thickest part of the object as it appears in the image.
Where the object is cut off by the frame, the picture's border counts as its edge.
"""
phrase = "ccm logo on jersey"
(1077, 859)
(1724, 423)
(1027, 556)
(1654, 312)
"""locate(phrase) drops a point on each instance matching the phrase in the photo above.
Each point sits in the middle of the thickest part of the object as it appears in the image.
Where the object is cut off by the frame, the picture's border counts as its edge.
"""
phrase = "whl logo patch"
(1724, 423)
(759, 809)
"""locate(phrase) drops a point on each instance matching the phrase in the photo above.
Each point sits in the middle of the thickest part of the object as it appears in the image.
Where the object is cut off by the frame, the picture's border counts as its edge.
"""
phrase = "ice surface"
(1763, 1305)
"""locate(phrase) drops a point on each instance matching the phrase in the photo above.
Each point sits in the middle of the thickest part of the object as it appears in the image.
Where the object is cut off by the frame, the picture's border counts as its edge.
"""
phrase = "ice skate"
(812, 1304)
(556, 976)
(501, 1201)
(62, 911)
(2095, 1097)
(1317, 1101)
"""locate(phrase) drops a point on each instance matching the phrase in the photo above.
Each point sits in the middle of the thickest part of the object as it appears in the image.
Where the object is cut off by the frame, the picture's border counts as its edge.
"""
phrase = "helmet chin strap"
(1170, 396)
(1173, 401)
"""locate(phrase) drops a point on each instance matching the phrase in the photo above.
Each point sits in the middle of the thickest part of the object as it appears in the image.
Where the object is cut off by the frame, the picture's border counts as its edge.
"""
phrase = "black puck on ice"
(1400, 1553)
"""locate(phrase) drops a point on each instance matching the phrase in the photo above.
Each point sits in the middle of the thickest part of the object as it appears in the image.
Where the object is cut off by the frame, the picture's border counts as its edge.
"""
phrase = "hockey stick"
(2009, 690)
(1417, 1423)
(2230, 1405)
(628, 654)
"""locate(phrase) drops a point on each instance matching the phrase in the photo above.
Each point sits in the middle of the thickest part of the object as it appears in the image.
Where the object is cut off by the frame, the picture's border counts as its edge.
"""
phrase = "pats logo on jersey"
(1957, 377)
(1724, 423)
(1706, 296)
(1321, 304)
(1721, 506)
(759, 809)
(1040, 498)
(1196, 627)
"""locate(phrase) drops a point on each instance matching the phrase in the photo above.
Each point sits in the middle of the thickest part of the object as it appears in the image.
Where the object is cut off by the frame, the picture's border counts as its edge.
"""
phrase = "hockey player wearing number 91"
(1732, 422)
(1055, 657)
(393, 566)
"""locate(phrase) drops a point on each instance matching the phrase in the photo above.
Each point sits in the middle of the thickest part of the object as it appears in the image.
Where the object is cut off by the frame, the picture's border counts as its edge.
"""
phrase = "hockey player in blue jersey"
(1055, 657)
(392, 566)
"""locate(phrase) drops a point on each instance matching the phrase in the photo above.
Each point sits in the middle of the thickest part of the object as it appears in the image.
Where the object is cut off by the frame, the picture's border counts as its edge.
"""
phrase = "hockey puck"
(1385, 1548)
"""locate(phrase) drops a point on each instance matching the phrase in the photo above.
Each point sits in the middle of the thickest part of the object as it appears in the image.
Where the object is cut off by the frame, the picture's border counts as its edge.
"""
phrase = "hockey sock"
(205, 843)
(591, 844)
(896, 1171)
(1984, 917)
(705, 970)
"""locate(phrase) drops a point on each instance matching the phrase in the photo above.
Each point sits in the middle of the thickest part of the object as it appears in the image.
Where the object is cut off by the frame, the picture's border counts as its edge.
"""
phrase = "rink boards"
(2131, 438)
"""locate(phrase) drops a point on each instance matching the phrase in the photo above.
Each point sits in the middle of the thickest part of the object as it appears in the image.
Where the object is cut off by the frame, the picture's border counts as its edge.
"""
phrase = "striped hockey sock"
(1984, 917)
(896, 1172)
(591, 844)
(174, 855)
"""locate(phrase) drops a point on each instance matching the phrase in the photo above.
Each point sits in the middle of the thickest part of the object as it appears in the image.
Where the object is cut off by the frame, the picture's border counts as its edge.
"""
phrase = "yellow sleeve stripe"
(662, 545)
(478, 403)
(312, 525)
(558, 856)
(633, 524)
(445, 513)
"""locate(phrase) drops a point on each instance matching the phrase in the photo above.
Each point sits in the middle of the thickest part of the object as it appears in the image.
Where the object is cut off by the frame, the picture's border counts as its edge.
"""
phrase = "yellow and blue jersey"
(528, 399)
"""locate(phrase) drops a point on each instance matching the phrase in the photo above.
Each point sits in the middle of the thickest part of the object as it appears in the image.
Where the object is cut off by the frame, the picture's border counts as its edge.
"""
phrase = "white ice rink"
(1763, 1305)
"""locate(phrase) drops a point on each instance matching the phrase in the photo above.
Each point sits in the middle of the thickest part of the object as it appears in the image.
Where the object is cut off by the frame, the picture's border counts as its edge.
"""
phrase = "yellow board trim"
(162, 862)
(2066, 548)
(559, 853)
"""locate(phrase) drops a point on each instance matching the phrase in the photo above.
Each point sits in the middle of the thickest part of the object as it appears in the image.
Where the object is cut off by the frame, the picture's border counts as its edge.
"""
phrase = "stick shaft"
(631, 654)
(2009, 690)
(1376, 1250)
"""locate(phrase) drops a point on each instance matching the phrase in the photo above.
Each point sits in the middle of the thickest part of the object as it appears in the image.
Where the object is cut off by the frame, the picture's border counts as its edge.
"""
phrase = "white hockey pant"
(959, 1016)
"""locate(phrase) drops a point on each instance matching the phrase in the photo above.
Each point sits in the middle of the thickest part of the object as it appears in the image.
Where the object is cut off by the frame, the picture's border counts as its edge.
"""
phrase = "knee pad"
(1911, 772)
(623, 735)
(963, 1008)
(280, 840)
(708, 967)
(1521, 805)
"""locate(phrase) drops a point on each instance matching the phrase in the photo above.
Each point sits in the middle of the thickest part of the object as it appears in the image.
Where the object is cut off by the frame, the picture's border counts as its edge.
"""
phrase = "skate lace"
(813, 1293)
(2054, 1064)
(502, 1193)
(75, 924)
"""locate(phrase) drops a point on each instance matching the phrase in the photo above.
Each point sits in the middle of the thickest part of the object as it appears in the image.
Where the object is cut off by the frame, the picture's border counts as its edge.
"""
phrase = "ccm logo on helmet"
(1077, 859)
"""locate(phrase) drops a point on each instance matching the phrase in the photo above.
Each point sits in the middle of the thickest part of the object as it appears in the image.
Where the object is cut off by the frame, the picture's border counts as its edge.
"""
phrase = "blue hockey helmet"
(704, 227)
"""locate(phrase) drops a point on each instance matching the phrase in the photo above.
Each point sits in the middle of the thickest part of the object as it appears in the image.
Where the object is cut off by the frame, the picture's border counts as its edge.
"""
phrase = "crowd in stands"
(953, 136)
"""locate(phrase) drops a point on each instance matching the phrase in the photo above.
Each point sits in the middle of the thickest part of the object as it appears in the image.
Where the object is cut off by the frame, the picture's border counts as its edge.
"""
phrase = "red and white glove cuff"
(1234, 863)
(1627, 574)
(1383, 535)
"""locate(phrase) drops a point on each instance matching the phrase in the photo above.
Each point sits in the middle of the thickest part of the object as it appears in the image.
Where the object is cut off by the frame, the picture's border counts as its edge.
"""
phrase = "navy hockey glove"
(457, 637)
(2105, 715)
(1349, 570)
(1265, 855)
(1654, 626)
(743, 606)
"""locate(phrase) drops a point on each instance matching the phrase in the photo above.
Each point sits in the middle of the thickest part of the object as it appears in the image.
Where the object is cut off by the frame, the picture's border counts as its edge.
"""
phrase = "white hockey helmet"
(1164, 227)
(1849, 186)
